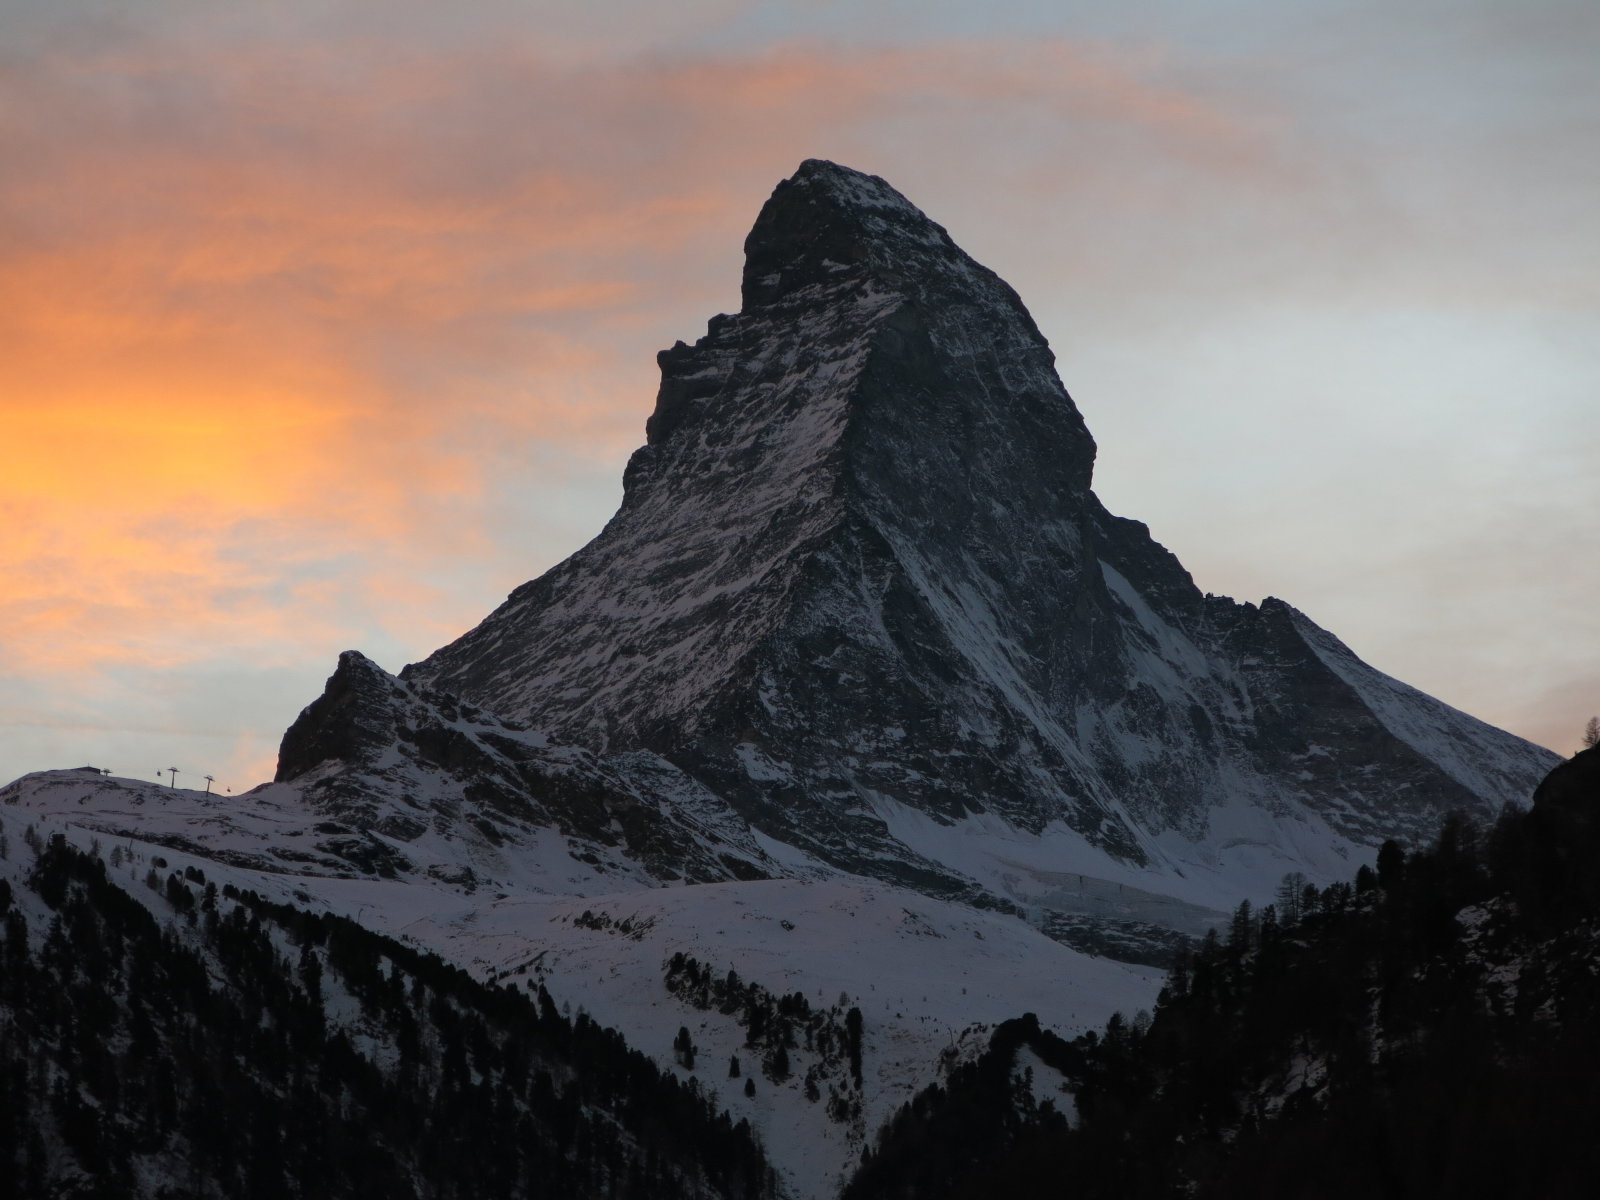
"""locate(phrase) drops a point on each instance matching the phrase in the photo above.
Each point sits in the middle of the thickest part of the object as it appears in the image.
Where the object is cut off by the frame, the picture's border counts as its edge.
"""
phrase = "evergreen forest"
(246, 1049)
(1428, 1029)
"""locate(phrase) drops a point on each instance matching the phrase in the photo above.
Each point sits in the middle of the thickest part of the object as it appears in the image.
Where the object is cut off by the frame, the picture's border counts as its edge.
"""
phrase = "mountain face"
(407, 779)
(859, 589)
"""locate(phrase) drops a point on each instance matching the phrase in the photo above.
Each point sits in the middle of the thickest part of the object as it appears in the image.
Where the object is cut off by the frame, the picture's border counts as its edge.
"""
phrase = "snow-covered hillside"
(167, 1032)
(927, 977)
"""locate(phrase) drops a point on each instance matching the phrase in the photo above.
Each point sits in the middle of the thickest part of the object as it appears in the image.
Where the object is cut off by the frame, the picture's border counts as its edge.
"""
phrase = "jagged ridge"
(391, 758)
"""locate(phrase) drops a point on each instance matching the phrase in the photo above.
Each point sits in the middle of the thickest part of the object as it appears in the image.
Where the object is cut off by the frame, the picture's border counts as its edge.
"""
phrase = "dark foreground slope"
(243, 1049)
(859, 585)
(1431, 1030)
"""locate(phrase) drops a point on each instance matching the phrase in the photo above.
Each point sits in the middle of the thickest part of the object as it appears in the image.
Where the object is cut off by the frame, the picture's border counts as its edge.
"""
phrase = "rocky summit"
(860, 591)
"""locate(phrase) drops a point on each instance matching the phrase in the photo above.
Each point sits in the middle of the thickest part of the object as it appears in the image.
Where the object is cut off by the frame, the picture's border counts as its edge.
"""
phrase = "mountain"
(860, 590)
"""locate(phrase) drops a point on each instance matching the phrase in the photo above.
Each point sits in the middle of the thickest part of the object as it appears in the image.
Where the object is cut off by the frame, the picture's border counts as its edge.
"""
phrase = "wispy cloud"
(277, 309)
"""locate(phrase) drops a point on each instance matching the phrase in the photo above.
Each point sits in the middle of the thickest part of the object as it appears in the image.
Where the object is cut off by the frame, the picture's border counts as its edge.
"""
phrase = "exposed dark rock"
(352, 719)
(379, 756)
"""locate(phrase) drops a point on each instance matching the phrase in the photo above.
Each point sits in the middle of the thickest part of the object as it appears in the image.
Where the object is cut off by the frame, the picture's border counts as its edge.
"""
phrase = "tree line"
(1430, 1028)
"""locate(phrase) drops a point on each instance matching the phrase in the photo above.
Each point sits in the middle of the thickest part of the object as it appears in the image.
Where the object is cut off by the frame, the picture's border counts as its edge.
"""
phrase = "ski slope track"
(862, 696)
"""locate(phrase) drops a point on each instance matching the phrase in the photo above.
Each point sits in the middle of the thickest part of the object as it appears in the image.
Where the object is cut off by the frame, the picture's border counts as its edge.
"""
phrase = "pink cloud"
(273, 310)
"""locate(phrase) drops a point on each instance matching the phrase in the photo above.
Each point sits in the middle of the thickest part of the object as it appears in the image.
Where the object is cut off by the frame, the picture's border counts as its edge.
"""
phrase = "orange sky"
(293, 315)
(324, 342)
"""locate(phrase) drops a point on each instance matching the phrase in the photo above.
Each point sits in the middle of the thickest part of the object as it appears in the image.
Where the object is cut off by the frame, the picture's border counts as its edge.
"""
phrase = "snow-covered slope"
(927, 977)
(166, 1030)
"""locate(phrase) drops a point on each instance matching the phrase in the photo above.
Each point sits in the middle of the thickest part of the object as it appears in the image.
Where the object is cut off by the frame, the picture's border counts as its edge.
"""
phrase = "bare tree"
(1289, 897)
(1591, 733)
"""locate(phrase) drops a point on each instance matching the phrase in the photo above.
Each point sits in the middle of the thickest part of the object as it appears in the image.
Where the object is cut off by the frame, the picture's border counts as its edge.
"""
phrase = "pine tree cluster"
(251, 1049)
(779, 1029)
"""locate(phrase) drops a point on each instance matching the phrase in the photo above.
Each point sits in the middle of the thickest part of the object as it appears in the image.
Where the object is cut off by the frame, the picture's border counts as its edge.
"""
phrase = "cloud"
(287, 317)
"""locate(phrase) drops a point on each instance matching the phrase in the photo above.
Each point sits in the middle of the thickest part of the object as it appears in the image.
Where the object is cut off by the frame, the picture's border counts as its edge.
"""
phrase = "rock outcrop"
(376, 755)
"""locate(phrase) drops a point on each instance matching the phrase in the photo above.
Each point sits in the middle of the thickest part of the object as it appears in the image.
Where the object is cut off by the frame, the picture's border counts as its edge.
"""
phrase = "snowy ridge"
(430, 784)
(1461, 744)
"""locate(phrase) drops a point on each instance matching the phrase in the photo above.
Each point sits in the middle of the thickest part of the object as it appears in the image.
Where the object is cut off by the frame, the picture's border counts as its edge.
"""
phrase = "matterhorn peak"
(825, 220)
(860, 311)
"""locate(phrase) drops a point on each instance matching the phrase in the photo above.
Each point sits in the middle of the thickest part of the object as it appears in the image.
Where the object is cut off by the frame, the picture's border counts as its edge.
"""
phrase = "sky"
(325, 324)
